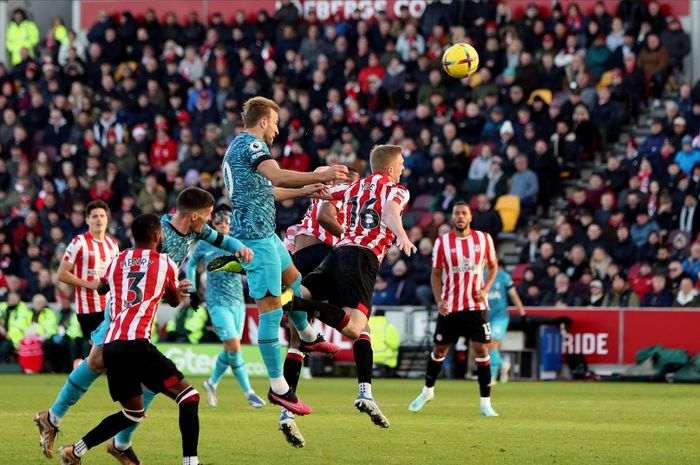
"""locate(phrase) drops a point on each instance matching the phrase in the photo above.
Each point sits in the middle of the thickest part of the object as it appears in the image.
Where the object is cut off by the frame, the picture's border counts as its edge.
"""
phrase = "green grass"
(540, 423)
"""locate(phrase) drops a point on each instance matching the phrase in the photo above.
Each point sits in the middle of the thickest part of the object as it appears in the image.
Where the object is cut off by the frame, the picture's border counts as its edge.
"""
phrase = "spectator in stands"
(639, 232)
(524, 184)
(597, 293)
(677, 42)
(642, 283)
(486, 219)
(619, 295)
(530, 252)
(654, 61)
(22, 34)
(691, 265)
(687, 295)
(687, 157)
(13, 324)
(561, 296)
(659, 296)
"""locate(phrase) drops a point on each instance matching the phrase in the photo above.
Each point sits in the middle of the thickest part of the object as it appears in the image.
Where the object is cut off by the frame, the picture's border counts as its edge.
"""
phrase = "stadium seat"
(508, 206)
(518, 273)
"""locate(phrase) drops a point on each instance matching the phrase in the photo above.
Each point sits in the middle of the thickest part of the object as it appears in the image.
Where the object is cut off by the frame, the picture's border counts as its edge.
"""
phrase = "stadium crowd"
(137, 108)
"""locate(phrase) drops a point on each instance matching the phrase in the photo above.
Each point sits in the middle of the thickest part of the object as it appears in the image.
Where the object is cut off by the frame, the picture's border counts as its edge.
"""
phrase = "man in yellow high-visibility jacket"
(385, 344)
(21, 33)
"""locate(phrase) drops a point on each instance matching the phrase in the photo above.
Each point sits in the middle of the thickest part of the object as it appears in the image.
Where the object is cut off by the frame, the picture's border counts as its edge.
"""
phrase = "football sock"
(79, 448)
(433, 371)
(106, 429)
(296, 286)
(483, 373)
(123, 439)
(496, 362)
(190, 461)
(189, 424)
(269, 344)
(78, 382)
(330, 314)
(240, 370)
(362, 349)
(485, 402)
(428, 390)
(305, 330)
(292, 367)
(222, 364)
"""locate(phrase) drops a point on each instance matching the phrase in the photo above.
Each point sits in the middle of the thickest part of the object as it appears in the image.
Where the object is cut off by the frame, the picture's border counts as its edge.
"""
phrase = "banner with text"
(613, 336)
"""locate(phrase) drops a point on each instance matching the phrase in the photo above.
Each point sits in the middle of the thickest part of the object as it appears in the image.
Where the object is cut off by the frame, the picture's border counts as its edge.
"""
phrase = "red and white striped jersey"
(462, 261)
(89, 258)
(137, 279)
(310, 226)
(363, 207)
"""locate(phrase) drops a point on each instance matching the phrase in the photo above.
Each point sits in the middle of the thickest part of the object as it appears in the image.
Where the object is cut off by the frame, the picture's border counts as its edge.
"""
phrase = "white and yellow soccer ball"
(460, 60)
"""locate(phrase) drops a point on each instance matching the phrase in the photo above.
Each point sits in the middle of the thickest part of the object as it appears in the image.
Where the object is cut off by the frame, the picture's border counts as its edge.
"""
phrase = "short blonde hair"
(256, 108)
(382, 156)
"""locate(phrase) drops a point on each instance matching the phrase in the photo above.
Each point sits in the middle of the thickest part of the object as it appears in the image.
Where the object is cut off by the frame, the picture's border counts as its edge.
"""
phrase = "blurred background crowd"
(585, 116)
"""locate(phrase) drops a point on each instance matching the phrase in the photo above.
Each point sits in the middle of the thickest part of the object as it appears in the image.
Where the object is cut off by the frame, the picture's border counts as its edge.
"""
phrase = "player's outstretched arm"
(227, 243)
(287, 178)
(392, 218)
(317, 190)
(192, 263)
(328, 219)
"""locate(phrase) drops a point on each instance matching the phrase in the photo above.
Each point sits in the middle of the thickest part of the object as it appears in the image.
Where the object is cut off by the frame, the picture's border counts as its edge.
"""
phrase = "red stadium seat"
(633, 271)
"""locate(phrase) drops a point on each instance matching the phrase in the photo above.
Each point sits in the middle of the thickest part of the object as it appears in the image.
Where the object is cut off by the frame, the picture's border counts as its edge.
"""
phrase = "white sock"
(249, 393)
(54, 419)
(214, 385)
(279, 385)
(485, 402)
(121, 447)
(190, 460)
(427, 391)
(308, 334)
(366, 389)
(79, 448)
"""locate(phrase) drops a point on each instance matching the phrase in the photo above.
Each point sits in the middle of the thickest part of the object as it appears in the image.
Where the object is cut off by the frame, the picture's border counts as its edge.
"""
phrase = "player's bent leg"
(310, 341)
(77, 384)
(496, 361)
(362, 350)
(226, 263)
(131, 413)
(120, 447)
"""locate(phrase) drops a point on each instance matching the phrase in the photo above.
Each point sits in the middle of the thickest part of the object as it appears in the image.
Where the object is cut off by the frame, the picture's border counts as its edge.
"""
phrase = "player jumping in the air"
(137, 279)
(372, 220)
(226, 307)
(186, 226)
(459, 258)
(313, 239)
(250, 174)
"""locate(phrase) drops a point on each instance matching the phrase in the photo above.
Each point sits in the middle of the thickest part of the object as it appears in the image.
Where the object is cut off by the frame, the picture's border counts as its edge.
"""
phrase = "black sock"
(292, 368)
(330, 314)
(189, 428)
(107, 429)
(362, 349)
(433, 371)
(483, 372)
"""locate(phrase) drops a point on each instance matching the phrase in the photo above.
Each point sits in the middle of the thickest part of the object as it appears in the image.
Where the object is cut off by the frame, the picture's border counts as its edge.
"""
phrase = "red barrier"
(613, 336)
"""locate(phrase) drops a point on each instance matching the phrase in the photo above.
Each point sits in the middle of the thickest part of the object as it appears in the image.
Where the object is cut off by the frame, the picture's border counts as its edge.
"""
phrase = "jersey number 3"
(134, 278)
(369, 218)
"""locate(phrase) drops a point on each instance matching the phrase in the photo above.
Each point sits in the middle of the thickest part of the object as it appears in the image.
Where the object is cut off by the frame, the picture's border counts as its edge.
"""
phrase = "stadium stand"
(136, 108)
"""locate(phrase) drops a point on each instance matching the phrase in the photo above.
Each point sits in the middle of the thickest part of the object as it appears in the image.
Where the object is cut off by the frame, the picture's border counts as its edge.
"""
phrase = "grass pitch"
(540, 423)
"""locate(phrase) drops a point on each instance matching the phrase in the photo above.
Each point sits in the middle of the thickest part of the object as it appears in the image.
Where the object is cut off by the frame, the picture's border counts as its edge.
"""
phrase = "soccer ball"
(460, 60)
